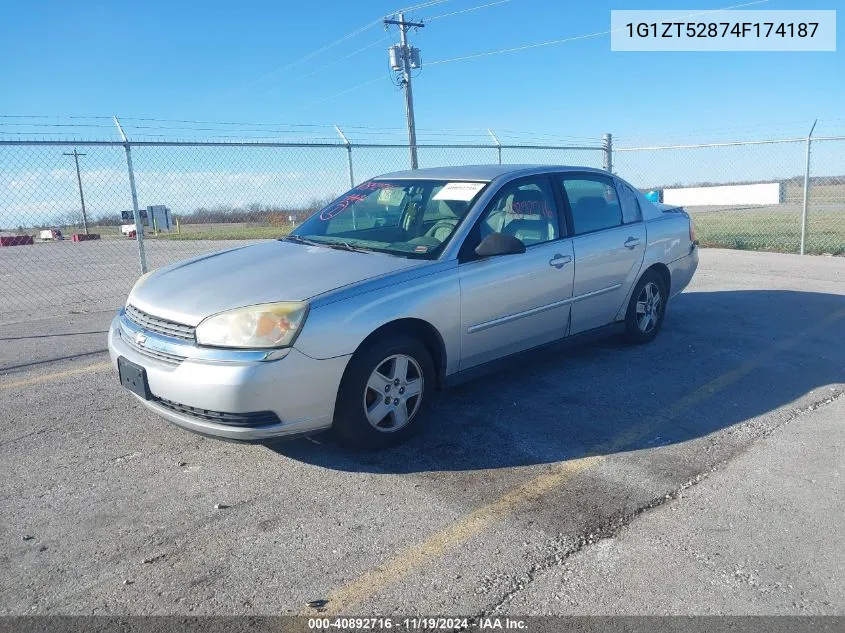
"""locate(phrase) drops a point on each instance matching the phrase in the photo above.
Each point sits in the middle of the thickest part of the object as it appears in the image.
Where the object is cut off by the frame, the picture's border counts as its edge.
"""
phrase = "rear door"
(608, 247)
(511, 303)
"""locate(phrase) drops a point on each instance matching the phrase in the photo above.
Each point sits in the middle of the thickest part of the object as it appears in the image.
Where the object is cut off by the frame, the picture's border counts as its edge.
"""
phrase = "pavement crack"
(611, 526)
(607, 529)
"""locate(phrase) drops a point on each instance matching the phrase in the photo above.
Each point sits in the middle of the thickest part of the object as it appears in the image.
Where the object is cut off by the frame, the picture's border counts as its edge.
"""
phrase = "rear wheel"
(646, 309)
(385, 393)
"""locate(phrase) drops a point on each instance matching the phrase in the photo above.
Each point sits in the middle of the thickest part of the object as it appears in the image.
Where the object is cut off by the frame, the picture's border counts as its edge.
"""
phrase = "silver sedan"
(405, 284)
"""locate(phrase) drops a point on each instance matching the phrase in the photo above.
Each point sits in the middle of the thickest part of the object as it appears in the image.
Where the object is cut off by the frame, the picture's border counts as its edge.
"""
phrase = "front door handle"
(559, 261)
(632, 242)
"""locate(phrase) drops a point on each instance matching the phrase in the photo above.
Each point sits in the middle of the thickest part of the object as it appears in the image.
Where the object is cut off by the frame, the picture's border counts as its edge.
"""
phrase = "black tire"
(351, 423)
(634, 330)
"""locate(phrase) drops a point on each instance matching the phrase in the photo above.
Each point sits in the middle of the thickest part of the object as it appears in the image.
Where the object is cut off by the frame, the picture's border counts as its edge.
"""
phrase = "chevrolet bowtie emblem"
(140, 338)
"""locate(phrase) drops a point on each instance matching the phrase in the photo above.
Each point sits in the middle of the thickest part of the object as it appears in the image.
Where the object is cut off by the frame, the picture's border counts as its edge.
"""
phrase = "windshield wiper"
(301, 240)
(341, 244)
(338, 244)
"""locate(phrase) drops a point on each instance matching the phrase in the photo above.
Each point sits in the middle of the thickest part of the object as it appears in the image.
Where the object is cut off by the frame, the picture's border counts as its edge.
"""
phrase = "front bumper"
(195, 393)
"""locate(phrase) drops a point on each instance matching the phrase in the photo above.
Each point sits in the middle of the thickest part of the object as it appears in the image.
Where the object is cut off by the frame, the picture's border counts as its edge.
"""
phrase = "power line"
(342, 92)
(251, 127)
(424, 5)
(224, 122)
(573, 38)
(74, 125)
(48, 116)
(481, 6)
(308, 56)
(180, 128)
(327, 47)
(515, 49)
(331, 63)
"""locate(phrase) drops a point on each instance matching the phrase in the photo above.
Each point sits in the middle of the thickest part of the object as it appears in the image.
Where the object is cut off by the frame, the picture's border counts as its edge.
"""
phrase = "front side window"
(411, 218)
(594, 203)
(525, 209)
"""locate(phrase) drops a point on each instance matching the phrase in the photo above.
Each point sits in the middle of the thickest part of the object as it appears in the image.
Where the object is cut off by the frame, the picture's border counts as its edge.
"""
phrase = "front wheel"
(385, 392)
(646, 309)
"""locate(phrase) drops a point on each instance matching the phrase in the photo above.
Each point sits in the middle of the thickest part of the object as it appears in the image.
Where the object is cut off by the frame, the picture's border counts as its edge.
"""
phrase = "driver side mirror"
(499, 244)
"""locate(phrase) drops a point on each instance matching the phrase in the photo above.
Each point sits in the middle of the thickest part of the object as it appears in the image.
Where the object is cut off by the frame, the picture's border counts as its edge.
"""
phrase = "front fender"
(337, 328)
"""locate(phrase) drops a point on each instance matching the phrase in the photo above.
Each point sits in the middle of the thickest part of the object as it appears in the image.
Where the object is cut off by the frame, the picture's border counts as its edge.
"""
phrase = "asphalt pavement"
(760, 535)
(519, 476)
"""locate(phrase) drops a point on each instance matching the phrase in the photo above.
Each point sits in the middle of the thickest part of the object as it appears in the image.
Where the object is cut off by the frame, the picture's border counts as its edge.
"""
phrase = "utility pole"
(404, 59)
(76, 156)
(607, 145)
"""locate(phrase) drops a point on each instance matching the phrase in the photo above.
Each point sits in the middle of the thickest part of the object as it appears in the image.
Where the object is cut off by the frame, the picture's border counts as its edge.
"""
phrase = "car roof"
(480, 173)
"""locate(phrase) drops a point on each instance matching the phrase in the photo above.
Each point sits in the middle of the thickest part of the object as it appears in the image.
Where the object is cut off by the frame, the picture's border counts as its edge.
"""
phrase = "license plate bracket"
(134, 378)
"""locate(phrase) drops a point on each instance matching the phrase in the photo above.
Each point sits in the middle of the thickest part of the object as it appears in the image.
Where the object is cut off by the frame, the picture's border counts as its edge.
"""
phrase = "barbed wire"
(94, 127)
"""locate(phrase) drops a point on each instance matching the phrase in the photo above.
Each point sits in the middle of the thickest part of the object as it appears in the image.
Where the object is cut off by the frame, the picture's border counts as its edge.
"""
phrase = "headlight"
(261, 326)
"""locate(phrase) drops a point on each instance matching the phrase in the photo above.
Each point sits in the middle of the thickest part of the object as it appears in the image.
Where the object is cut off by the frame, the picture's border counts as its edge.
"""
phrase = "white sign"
(725, 195)
(464, 191)
(723, 30)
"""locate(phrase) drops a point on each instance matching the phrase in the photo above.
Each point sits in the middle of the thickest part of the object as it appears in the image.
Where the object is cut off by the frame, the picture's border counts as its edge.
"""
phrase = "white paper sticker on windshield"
(459, 191)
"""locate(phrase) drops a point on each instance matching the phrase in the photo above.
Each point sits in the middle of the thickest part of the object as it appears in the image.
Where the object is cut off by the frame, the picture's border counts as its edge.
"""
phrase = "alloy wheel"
(393, 393)
(649, 304)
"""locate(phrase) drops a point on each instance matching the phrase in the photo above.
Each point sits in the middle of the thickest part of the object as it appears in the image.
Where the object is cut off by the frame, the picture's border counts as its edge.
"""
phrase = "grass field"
(771, 231)
(761, 230)
(216, 231)
(223, 232)
(764, 230)
(776, 229)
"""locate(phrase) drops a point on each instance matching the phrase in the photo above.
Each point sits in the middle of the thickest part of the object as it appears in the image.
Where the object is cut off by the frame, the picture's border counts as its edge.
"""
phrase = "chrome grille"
(254, 418)
(166, 357)
(159, 325)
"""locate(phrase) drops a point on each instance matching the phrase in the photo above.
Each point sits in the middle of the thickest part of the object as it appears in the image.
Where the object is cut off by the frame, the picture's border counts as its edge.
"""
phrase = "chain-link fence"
(69, 240)
(792, 166)
(193, 198)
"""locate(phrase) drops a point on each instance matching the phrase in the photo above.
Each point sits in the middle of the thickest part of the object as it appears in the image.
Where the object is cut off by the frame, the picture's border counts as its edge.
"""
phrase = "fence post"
(497, 143)
(607, 145)
(806, 189)
(348, 156)
(136, 214)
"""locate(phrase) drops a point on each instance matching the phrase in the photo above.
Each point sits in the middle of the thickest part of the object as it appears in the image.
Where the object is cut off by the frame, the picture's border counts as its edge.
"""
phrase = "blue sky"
(224, 61)
(157, 64)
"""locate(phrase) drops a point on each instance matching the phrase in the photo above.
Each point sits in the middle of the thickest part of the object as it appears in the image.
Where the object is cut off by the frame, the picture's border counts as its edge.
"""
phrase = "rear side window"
(630, 205)
(594, 203)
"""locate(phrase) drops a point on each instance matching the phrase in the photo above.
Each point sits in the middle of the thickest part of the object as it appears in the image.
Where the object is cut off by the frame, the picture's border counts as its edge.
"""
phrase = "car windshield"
(409, 218)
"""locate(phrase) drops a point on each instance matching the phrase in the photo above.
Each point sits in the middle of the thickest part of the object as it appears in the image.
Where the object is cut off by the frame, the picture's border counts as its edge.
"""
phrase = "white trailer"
(155, 217)
(50, 234)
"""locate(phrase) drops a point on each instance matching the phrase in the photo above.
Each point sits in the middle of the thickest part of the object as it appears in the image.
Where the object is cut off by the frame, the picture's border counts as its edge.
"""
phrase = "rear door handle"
(632, 242)
(559, 261)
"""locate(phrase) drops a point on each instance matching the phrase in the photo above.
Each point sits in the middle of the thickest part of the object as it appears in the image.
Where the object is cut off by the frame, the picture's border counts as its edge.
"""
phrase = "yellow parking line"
(456, 533)
(370, 582)
(36, 380)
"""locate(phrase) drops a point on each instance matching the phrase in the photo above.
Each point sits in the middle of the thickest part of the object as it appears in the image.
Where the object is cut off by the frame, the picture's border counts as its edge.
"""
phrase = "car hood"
(189, 291)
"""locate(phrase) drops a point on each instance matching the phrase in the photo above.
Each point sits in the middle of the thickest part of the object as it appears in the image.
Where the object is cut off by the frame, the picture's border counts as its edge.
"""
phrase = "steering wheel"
(442, 229)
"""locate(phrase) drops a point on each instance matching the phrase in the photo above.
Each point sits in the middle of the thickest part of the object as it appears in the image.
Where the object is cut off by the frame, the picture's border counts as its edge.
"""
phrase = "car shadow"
(765, 349)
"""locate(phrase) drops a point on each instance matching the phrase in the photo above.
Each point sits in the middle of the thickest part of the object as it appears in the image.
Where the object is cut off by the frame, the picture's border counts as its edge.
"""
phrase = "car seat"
(529, 218)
